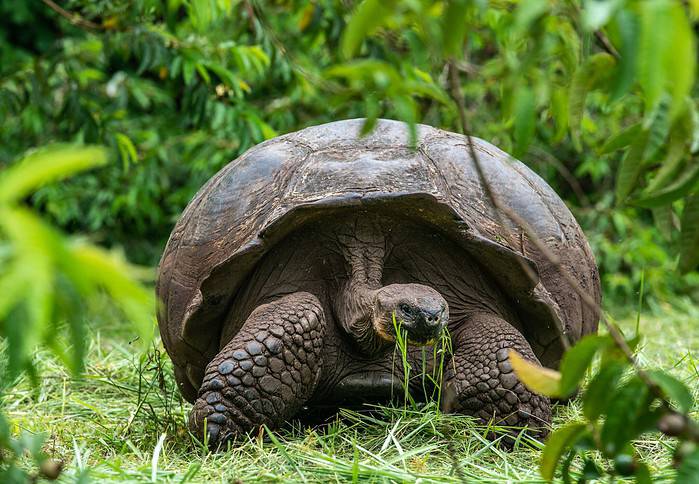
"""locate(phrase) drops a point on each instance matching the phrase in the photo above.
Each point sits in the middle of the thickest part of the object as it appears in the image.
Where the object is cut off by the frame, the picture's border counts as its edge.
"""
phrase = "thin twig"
(565, 173)
(552, 258)
(73, 18)
(606, 44)
(289, 56)
(455, 93)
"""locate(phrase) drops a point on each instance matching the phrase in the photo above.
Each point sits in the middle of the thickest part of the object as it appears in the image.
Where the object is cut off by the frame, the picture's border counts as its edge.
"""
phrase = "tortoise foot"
(264, 374)
(481, 381)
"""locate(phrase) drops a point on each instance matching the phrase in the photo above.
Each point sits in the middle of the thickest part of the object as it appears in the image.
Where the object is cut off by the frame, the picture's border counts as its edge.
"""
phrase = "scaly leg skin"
(265, 373)
(484, 385)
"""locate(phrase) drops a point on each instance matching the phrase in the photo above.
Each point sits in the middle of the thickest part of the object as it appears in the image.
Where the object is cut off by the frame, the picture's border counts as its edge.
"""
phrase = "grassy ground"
(124, 421)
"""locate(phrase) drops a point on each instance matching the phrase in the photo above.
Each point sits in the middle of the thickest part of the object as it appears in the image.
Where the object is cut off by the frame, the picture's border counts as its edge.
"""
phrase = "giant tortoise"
(285, 280)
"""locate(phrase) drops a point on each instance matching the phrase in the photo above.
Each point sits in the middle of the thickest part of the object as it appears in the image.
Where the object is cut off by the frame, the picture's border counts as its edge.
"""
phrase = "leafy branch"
(46, 285)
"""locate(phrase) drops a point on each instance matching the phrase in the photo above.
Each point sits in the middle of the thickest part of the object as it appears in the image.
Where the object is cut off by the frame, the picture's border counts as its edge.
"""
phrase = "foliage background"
(598, 97)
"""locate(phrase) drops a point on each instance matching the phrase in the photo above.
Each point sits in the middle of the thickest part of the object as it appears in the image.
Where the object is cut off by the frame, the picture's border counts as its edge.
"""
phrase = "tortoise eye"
(407, 310)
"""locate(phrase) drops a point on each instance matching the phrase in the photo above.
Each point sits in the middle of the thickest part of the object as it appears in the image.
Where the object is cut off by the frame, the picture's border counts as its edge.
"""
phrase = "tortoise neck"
(363, 246)
(364, 249)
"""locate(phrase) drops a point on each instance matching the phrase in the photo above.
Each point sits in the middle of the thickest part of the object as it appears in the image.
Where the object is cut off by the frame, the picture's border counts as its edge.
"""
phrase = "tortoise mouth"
(415, 334)
(426, 338)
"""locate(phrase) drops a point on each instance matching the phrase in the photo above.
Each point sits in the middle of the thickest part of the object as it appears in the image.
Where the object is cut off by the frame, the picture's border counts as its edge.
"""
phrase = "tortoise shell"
(275, 187)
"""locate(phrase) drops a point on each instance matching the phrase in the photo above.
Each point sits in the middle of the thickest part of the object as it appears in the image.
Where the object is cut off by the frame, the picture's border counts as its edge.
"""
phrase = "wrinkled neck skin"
(364, 249)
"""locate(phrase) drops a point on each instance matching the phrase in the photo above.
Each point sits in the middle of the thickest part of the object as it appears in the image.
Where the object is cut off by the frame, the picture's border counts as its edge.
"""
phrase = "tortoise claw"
(204, 418)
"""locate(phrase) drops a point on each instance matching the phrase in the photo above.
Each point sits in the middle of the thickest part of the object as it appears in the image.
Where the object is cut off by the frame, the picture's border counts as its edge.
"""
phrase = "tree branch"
(73, 18)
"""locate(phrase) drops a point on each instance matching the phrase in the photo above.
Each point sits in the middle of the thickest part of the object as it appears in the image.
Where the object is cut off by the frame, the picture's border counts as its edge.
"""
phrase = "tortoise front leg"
(480, 381)
(265, 373)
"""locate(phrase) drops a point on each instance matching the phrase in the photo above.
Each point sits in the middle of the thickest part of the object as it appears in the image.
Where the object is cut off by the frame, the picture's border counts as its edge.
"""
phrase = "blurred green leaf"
(658, 130)
(667, 56)
(368, 17)
(35, 248)
(524, 122)
(602, 389)
(535, 377)
(642, 473)
(559, 110)
(595, 69)
(627, 25)
(688, 471)
(45, 166)
(663, 219)
(675, 155)
(557, 444)
(596, 13)
(528, 12)
(454, 23)
(111, 273)
(624, 415)
(127, 150)
(622, 139)
(673, 389)
(631, 167)
(689, 237)
(683, 183)
(577, 360)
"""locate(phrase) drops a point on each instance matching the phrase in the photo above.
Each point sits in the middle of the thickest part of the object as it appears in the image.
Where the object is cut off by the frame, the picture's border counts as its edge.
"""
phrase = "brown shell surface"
(255, 200)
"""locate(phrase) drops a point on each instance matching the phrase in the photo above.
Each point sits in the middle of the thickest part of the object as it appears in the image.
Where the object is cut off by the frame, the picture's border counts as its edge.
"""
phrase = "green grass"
(107, 424)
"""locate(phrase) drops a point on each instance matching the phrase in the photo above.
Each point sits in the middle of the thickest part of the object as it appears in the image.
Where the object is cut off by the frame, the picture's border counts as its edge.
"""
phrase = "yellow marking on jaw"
(384, 335)
(421, 343)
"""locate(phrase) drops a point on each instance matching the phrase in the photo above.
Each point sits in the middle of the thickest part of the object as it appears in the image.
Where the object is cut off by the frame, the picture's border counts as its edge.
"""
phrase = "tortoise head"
(418, 309)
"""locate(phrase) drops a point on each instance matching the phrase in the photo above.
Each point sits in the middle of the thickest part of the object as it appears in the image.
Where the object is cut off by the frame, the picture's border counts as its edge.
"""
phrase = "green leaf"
(188, 71)
(559, 111)
(625, 414)
(627, 25)
(688, 471)
(691, 124)
(577, 360)
(372, 111)
(407, 111)
(675, 154)
(127, 150)
(642, 473)
(105, 270)
(684, 183)
(201, 69)
(621, 140)
(667, 56)
(631, 167)
(602, 389)
(658, 130)
(662, 218)
(689, 237)
(528, 12)
(534, 376)
(524, 124)
(47, 165)
(673, 389)
(37, 249)
(587, 76)
(369, 16)
(557, 444)
(454, 27)
(596, 13)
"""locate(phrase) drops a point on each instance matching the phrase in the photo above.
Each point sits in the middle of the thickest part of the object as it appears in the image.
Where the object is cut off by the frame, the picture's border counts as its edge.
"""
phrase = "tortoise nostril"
(431, 317)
